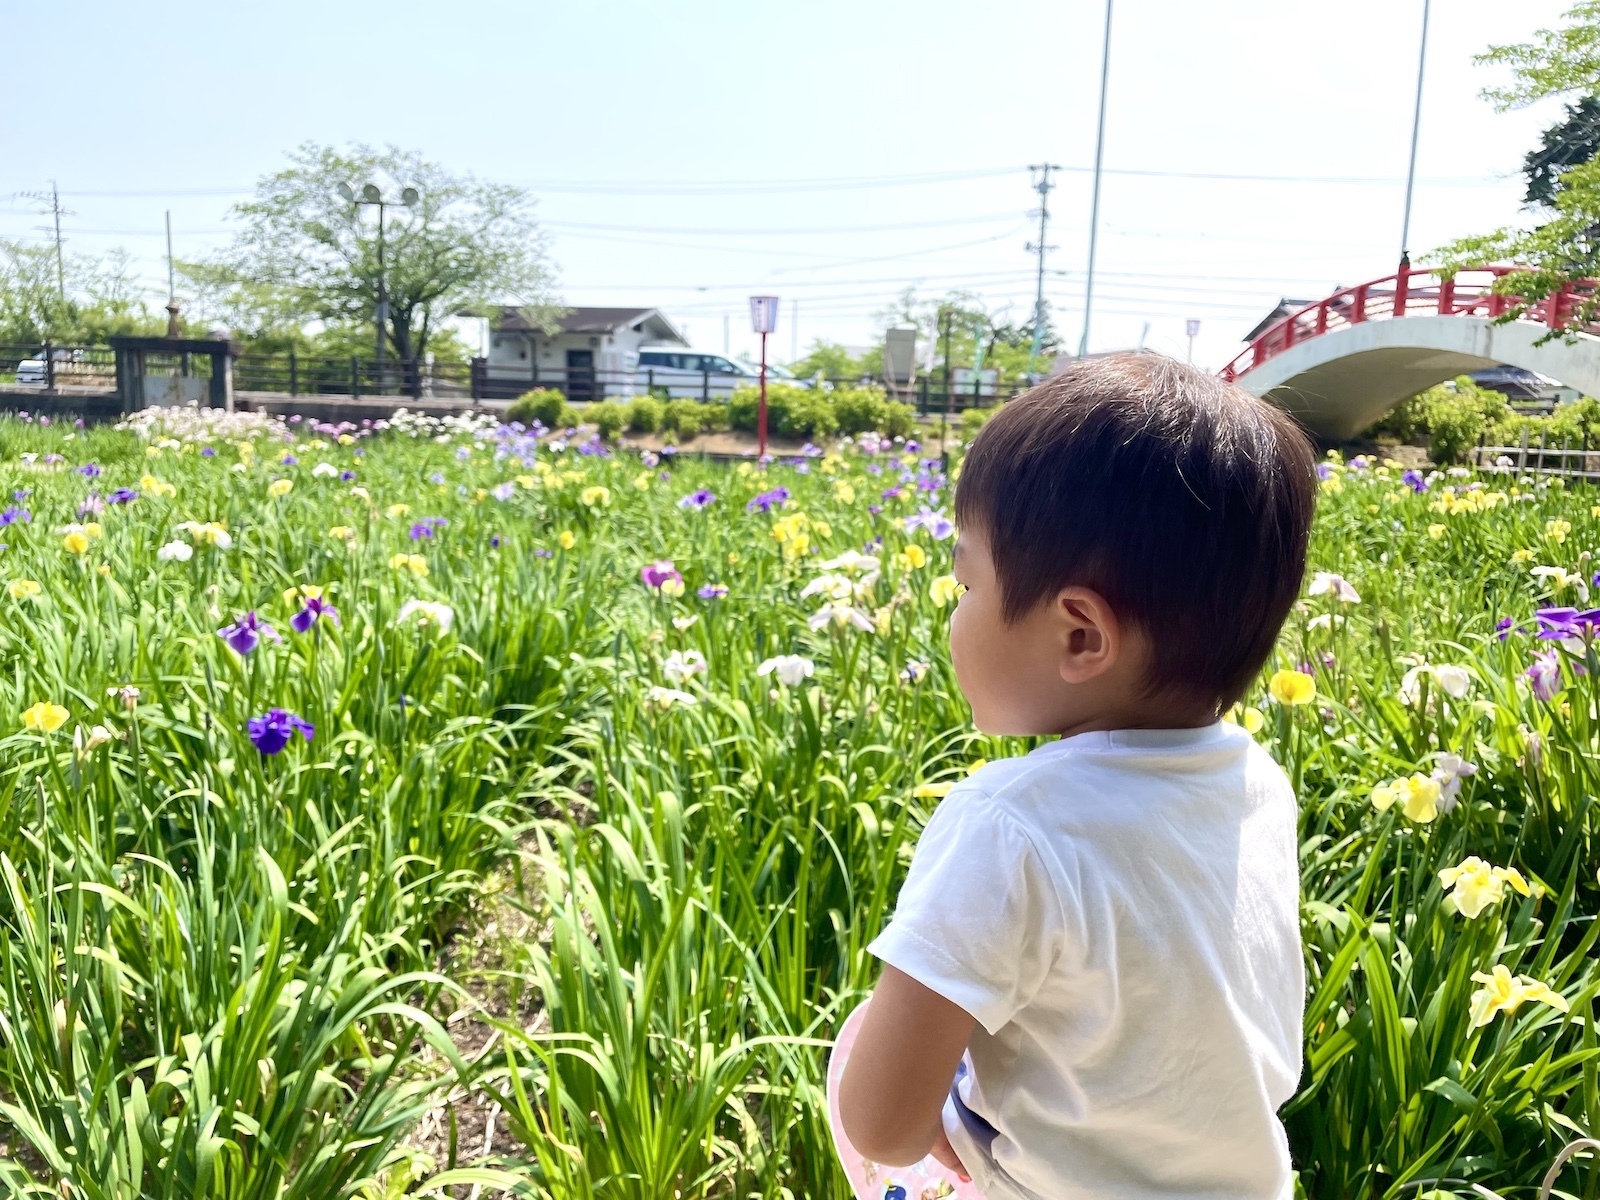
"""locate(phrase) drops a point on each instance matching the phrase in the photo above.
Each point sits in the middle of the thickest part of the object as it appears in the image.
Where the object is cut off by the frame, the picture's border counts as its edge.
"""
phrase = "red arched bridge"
(1342, 362)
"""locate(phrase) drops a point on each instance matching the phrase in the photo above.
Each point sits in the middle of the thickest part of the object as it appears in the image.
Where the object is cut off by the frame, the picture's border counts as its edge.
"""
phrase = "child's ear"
(1091, 635)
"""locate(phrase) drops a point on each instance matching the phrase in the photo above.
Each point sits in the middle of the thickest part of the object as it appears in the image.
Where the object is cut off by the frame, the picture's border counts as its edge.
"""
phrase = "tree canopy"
(1572, 142)
(100, 297)
(307, 254)
(1556, 62)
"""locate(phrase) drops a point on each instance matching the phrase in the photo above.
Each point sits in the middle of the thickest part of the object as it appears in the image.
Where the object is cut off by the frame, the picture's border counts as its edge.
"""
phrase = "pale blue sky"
(627, 120)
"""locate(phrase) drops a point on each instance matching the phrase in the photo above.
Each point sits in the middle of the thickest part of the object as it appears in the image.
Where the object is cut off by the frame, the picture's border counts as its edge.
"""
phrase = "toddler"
(1092, 982)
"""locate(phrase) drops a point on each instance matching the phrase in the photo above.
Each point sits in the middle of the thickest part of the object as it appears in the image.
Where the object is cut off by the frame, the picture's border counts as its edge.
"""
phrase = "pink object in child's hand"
(926, 1180)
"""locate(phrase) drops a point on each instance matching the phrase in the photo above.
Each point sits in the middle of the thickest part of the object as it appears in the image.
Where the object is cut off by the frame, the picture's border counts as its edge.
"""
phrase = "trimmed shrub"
(644, 414)
(899, 420)
(859, 408)
(608, 418)
(545, 405)
(791, 411)
(974, 419)
(684, 417)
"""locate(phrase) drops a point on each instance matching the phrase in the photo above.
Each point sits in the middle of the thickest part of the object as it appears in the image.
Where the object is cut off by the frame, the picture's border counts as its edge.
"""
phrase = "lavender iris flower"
(347, 476)
(766, 501)
(13, 515)
(315, 607)
(245, 634)
(1504, 628)
(289, 460)
(1545, 675)
(713, 591)
(934, 521)
(541, 552)
(701, 499)
(503, 491)
(123, 496)
(89, 471)
(208, 452)
(1324, 470)
(1415, 481)
(92, 506)
(658, 573)
(271, 731)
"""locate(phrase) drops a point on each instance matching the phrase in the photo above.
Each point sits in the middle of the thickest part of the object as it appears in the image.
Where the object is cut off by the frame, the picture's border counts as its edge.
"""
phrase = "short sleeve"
(979, 919)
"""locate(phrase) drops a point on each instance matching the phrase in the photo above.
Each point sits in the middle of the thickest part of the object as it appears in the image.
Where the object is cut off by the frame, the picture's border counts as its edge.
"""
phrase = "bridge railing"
(1408, 292)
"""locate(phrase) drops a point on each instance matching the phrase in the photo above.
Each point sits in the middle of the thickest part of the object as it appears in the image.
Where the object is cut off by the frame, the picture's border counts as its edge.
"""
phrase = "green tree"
(829, 359)
(102, 297)
(306, 254)
(1571, 143)
(1556, 62)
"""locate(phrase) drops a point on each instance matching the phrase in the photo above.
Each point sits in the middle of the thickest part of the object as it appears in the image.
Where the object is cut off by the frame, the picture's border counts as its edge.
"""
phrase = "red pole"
(761, 413)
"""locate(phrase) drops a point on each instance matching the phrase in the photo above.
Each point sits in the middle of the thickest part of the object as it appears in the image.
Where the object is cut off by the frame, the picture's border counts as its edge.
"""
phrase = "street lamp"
(763, 320)
(369, 194)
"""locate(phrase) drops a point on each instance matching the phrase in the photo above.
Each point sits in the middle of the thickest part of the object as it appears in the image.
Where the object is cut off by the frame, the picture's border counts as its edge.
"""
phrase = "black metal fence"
(52, 368)
(66, 369)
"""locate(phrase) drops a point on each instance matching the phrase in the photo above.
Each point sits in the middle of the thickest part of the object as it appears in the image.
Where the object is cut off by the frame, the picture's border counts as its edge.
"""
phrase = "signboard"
(763, 313)
(1194, 327)
(900, 355)
(961, 381)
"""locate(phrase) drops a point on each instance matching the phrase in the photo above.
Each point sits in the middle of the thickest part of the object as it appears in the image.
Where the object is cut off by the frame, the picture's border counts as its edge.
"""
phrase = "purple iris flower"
(503, 491)
(913, 447)
(1505, 627)
(207, 452)
(541, 552)
(123, 496)
(891, 493)
(1414, 480)
(315, 607)
(934, 521)
(92, 506)
(271, 731)
(766, 501)
(1559, 624)
(289, 460)
(13, 515)
(874, 509)
(1324, 470)
(347, 476)
(436, 477)
(89, 471)
(494, 541)
(713, 591)
(701, 499)
(658, 573)
(1545, 675)
(421, 530)
(245, 634)
(21, 494)
(51, 460)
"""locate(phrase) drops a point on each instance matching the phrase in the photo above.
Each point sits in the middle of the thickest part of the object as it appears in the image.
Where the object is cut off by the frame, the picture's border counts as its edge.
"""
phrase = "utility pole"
(794, 332)
(61, 270)
(1094, 205)
(1416, 126)
(725, 338)
(172, 287)
(1040, 176)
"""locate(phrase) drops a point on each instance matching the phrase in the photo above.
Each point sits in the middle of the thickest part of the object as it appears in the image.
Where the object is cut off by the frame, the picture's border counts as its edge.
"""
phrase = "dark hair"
(1182, 499)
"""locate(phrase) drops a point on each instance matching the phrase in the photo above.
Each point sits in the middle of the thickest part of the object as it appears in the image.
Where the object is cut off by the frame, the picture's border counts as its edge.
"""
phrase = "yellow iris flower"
(280, 487)
(1474, 885)
(944, 589)
(566, 539)
(1292, 687)
(1418, 796)
(45, 717)
(414, 563)
(1504, 992)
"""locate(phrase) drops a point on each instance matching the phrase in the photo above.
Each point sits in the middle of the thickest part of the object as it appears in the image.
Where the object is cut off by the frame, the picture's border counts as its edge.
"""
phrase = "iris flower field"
(452, 808)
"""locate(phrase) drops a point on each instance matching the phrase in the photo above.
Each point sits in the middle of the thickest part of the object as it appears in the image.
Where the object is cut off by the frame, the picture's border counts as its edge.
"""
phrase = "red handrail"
(1410, 291)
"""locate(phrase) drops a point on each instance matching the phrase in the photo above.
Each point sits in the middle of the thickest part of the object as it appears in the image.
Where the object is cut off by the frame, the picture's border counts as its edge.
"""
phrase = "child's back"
(1093, 978)
(1133, 965)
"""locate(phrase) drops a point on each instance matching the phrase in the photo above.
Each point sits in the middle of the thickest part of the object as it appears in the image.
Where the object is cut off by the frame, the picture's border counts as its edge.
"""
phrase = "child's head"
(1133, 534)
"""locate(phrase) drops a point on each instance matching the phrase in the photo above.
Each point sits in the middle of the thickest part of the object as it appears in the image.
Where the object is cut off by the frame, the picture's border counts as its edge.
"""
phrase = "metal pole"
(1094, 204)
(383, 299)
(944, 417)
(794, 333)
(61, 271)
(761, 413)
(1416, 127)
(172, 287)
(1043, 188)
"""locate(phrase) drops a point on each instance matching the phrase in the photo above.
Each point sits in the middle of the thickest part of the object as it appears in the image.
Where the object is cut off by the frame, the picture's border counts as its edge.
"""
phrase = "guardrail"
(1408, 292)
(1570, 462)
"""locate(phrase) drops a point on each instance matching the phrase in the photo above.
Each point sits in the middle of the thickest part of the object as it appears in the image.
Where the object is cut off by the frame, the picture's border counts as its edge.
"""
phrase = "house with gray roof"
(593, 353)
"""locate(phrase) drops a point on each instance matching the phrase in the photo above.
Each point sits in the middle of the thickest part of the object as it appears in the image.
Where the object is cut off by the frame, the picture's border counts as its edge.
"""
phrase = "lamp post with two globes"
(369, 194)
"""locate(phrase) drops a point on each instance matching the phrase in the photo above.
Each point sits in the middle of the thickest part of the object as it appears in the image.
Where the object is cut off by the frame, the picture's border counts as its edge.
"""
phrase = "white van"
(689, 373)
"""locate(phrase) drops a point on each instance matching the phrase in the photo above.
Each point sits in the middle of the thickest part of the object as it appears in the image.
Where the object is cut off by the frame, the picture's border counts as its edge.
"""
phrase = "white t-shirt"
(1119, 911)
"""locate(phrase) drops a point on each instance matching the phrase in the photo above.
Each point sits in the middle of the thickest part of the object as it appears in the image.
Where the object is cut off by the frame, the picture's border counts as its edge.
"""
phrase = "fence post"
(49, 368)
(1522, 452)
(705, 385)
(294, 374)
(355, 378)
(478, 372)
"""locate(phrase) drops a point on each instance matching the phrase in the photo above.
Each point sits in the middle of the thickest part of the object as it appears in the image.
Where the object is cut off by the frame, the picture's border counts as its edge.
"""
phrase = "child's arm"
(900, 1071)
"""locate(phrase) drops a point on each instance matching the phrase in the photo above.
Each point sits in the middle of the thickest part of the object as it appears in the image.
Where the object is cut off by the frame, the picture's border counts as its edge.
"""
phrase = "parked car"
(30, 373)
(696, 375)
